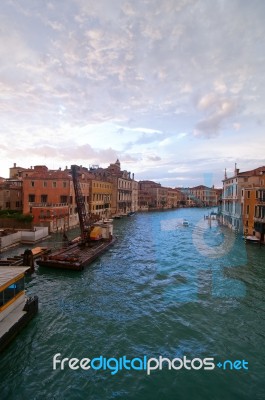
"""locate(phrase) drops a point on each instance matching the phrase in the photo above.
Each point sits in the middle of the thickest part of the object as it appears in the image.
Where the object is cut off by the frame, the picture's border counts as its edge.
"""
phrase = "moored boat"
(77, 256)
(16, 310)
(252, 239)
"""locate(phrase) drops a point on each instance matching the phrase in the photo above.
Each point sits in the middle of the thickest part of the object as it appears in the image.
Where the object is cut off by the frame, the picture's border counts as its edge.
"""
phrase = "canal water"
(164, 289)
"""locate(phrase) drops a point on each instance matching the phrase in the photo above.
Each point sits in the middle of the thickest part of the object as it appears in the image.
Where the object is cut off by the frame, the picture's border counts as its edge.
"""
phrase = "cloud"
(217, 110)
(153, 158)
(85, 70)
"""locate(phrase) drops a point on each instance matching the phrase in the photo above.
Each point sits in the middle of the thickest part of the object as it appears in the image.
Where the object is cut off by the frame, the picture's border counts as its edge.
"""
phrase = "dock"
(27, 258)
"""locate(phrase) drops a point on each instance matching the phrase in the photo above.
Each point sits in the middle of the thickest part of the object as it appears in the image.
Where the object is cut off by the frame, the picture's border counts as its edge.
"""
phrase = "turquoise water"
(163, 289)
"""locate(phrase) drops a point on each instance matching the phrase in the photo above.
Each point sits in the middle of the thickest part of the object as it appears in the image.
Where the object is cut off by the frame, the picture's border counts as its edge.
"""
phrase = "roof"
(200, 187)
(8, 274)
(48, 175)
(252, 172)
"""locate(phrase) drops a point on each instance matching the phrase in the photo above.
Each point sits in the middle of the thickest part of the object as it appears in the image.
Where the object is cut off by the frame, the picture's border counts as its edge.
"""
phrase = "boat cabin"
(15, 309)
(12, 289)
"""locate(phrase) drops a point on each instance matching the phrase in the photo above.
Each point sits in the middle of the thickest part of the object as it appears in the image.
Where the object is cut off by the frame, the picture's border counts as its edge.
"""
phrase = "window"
(45, 184)
(17, 204)
(8, 204)
(64, 184)
(247, 209)
(248, 194)
(63, 199)
(11, 291)
(44, 198)
(32, 183)
(54, 184)
(32, 198)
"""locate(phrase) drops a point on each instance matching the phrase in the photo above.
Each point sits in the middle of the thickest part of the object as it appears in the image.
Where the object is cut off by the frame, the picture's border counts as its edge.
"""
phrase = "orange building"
(253, 207)
(253, 215)
(248, 210)
(46, 195)
(259, 217)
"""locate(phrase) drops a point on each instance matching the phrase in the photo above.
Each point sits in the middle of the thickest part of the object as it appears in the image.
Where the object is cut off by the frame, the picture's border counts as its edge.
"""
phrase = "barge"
(16, 310)
(77, 256)
(95, 238)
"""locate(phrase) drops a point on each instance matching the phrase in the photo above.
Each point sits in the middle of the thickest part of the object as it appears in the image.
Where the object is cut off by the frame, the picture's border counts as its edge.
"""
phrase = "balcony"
(259, 219)
(50, 205)
(260, 200)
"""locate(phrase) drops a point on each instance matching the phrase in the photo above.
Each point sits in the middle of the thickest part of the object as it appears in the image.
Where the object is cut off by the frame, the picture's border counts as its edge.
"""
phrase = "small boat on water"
(252, 239)
(16, 310)
(185, 223)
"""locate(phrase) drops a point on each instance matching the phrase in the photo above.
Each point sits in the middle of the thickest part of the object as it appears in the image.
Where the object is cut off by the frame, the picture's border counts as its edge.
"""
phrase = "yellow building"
(174, 197)
(100, 198)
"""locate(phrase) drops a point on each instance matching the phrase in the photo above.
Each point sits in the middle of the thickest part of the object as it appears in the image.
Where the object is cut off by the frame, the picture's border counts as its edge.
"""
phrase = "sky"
(173, 88)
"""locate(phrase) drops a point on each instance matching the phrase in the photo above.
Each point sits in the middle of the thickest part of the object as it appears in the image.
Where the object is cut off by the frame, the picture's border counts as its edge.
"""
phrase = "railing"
(262, 220)
(48, 205)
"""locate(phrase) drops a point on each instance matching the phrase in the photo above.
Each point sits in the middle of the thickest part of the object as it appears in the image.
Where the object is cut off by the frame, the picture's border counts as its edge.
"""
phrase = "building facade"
(152, 196)
(235, 213)
(124, 188)
(11, 195)
(47, 196)
(100, 198)
(259, 215)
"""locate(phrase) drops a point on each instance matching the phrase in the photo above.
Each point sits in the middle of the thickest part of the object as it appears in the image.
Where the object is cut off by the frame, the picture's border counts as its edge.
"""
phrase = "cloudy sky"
(174, 88)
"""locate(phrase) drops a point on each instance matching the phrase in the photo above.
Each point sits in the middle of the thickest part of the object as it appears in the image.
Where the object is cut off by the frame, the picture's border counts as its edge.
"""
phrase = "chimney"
(15, 164)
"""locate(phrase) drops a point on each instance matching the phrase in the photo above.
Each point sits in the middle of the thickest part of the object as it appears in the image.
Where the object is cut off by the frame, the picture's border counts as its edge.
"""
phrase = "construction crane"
(81, 209)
